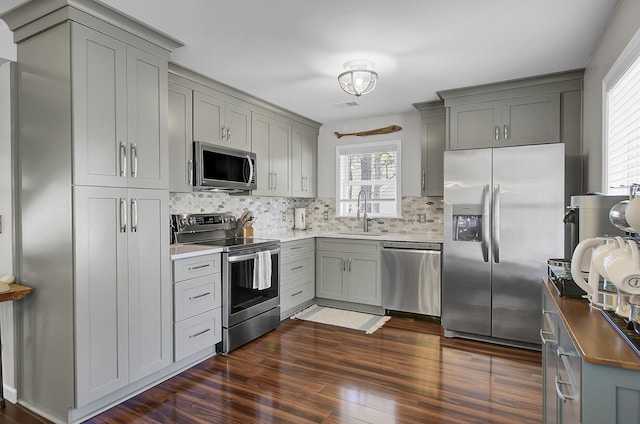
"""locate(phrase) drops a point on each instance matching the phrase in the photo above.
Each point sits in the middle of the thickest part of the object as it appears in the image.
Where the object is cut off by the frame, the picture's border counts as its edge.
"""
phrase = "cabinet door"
(280, 156)
(98, 65)
(364, 279)
(150, 330)
(303, 163)
(549, 362)
(208, 118)
(432, 155)
(237, 121)
(180, 139)
(147, 120)
(330, 276)
(475, 125)
(260, 132)
(531, 120)
(101, 292)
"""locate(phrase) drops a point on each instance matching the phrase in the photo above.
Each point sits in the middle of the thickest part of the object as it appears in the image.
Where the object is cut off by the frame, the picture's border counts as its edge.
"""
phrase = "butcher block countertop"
(595, 338)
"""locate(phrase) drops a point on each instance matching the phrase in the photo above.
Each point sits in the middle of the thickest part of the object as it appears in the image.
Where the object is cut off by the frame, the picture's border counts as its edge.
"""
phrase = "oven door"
(241, 301)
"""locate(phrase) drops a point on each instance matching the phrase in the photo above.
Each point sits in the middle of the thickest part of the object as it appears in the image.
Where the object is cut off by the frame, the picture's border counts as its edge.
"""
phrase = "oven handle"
(241, 258)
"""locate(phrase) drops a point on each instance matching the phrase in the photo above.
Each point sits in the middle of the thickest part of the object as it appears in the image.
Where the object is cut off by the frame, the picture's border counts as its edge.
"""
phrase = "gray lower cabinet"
(578, 391)
(197, 304)
(511, 122)
(122, 288)
(349, 271)
(297, 275)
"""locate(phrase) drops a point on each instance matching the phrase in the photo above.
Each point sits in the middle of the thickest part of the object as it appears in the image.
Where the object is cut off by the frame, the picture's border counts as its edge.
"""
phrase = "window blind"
(373, 168)
(623, 131)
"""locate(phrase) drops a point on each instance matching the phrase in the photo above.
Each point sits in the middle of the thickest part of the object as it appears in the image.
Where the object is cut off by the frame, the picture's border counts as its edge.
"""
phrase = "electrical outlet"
(325, 215)
(422, 218)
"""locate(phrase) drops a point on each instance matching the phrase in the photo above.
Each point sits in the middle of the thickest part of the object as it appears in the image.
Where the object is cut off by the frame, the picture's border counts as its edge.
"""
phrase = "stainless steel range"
(250, 275)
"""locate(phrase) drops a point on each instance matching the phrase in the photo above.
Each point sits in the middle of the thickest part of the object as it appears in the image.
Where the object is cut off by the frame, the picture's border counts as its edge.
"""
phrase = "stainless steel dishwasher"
(411, 277)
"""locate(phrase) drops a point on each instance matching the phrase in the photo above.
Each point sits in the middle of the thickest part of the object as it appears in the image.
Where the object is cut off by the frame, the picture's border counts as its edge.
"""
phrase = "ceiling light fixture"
(359, 77)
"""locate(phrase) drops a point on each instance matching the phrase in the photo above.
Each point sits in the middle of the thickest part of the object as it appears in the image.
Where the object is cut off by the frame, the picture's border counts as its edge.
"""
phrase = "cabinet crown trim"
(18, 18)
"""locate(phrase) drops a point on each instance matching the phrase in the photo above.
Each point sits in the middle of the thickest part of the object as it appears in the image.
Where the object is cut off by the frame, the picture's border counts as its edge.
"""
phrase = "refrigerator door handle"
(495, 225)
(485, 213)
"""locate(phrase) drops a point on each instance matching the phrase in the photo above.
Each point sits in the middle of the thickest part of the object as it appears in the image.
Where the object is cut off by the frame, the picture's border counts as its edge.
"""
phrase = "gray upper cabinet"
(180, 139)
(512, 122)
(432, 147)
(218, 122)
(119, 113)
(304, 142)
(271, 141)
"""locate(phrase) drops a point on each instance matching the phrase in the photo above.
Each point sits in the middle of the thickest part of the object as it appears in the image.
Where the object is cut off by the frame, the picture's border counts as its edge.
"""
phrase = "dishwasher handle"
(411, 245)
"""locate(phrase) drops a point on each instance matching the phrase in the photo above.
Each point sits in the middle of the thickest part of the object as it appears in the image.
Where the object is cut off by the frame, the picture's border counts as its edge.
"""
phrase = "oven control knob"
(192, 220)
(183, 222)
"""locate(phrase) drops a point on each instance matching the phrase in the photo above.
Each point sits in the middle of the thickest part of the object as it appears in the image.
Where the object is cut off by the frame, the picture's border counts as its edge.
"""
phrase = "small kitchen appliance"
(300, 219)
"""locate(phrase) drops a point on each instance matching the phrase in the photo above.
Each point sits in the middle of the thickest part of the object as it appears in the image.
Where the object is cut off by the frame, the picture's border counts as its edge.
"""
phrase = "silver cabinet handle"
(134, 160)
(123, 215)
(484, 245)
(544, 335)
(200, 333)
(349, 263)
(134, 215)
(506, 132)
(275, 181)
(296, 247)
(223, 133)
(343, 264)
(190, 171)
(424, 180)
(123, 159)
(564, 397)
(562, 353)
(297, 267)
(497, 133)
(495, 225)
(297, 293)
(199, 296)
(228, 134)
(191, 268)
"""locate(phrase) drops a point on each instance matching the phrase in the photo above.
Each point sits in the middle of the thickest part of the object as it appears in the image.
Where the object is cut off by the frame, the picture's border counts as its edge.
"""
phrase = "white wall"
(623, 26)
(410, 136)
(6, 237)
(7, 48)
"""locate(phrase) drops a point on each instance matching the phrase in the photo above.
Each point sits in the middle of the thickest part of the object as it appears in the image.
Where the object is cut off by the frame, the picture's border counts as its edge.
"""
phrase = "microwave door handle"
(250, 169)
(241, 258)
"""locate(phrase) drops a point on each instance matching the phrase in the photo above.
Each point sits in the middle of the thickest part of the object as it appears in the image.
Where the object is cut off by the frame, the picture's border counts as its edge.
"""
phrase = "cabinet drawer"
(192, 297)
(184, 269)
(197, 333)
(296, 267)
(297, 293)
(349, 246)
(296, 247)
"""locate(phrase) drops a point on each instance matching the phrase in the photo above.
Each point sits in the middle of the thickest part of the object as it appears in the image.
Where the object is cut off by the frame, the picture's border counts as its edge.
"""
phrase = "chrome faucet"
(365, 219)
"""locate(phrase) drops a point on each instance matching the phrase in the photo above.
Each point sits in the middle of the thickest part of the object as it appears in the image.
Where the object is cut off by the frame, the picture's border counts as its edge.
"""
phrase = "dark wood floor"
(304, 372)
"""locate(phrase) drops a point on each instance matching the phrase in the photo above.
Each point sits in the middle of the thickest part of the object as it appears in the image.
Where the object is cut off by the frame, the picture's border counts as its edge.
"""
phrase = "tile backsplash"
(275, 214)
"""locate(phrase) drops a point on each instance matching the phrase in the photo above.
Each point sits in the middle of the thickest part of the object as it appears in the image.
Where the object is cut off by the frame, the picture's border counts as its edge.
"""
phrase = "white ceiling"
(289, 52)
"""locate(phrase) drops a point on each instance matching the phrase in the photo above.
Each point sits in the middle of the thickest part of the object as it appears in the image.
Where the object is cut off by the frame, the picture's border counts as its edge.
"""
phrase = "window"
(374, 168)
(622, 121)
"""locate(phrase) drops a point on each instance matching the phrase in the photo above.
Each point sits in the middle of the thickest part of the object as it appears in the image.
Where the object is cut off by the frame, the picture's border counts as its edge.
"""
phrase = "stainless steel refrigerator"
(503, 219)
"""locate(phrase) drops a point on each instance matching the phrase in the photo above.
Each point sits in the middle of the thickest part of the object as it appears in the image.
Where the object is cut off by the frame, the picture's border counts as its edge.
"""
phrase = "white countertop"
(382, 236)
(181, 251)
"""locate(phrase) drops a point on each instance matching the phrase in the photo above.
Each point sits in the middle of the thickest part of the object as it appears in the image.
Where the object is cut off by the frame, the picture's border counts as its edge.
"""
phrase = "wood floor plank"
(303, 372)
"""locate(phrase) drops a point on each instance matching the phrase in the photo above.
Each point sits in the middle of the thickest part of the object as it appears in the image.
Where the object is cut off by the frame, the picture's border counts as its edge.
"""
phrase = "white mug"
(623, 268)
(601, 247)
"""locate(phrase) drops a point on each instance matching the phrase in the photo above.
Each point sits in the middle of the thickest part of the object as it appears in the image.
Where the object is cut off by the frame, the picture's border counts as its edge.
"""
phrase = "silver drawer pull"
(298, 267)
(191, 268)
(296, 247)
(561, 395)
(544, 335)
(562, 353)
(200, 333)
(297, 293)
(199, 296)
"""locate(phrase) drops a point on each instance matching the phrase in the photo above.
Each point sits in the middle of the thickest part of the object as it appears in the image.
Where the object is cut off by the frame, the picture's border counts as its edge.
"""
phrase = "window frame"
(366, 147)
(627, 57)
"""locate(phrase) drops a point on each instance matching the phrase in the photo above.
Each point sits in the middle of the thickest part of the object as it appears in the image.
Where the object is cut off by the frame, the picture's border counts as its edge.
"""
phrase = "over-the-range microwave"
(224, 169)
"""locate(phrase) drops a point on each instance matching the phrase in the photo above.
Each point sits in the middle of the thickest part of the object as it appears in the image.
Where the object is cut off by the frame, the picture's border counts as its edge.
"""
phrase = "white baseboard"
(10, 393)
